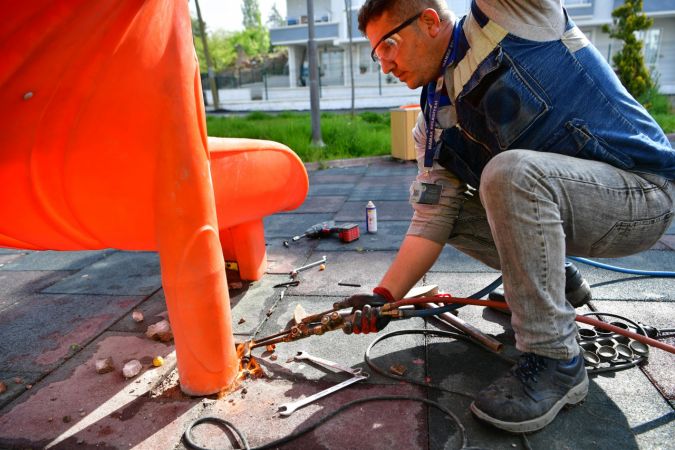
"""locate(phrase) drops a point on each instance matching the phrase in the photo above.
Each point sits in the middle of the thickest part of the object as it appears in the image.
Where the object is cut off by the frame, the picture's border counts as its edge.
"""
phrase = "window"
(651, 40)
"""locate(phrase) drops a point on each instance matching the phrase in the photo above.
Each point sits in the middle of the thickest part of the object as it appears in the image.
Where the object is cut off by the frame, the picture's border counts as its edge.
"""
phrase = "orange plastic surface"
(103, 145)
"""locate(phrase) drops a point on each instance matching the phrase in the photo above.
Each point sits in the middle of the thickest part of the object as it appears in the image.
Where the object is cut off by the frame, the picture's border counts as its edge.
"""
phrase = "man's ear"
(431, 22)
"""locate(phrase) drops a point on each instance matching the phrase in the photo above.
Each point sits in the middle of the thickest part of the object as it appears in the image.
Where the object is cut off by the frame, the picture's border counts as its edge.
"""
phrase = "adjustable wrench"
(357, 375)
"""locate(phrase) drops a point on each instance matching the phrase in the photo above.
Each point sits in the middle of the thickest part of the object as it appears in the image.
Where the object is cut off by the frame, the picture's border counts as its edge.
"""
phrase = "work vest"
(556, 96)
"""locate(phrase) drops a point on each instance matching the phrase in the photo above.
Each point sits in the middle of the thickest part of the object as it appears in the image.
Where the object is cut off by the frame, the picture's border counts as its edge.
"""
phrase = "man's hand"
(365, 317)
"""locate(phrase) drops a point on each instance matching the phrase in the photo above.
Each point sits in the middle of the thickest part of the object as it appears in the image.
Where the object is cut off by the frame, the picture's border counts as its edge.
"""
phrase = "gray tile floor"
(59, 311)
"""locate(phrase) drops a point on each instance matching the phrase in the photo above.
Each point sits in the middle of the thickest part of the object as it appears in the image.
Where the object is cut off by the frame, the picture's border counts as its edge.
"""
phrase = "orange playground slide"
(103, 145)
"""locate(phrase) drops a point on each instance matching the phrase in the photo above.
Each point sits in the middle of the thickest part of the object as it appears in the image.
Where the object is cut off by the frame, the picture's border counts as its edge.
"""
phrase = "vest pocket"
(575, 139)
(500, 103)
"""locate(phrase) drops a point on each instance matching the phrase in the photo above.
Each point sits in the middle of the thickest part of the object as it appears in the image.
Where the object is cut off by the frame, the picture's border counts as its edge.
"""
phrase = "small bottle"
(371, 218)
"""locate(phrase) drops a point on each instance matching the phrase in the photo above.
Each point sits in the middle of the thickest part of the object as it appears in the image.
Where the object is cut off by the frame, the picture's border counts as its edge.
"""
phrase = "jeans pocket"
(629, 237)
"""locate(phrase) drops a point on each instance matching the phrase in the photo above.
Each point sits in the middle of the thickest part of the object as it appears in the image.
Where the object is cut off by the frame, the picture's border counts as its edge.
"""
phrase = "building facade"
(336, 34)
(335, 19)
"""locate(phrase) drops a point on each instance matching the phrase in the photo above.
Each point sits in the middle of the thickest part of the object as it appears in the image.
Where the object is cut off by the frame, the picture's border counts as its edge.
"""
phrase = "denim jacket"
(557, 96)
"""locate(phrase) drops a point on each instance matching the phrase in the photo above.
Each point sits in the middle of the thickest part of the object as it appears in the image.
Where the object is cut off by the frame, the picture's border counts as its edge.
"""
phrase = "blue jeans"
(534, 209)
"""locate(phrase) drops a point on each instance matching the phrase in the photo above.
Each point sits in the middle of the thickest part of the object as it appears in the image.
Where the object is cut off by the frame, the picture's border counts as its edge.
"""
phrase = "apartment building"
(332, 35)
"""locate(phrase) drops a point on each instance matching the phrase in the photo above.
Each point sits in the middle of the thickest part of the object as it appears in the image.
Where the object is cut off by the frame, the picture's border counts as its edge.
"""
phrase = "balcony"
(295, 32)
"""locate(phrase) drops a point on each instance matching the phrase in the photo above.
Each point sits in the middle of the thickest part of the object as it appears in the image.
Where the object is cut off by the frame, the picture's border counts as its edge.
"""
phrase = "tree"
(629, 62)
(275, 18)
(251, 12)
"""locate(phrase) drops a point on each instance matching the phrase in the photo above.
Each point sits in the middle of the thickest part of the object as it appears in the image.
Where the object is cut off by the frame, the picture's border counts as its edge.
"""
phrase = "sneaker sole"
(576, 395)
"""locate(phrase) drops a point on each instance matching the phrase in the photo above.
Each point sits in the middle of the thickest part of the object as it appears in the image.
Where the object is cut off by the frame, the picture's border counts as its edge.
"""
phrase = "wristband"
(384, 292)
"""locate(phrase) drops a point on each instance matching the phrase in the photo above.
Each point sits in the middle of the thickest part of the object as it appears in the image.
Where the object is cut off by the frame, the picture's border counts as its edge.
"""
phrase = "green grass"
(344, 136)
(666, 121)
(366, 134)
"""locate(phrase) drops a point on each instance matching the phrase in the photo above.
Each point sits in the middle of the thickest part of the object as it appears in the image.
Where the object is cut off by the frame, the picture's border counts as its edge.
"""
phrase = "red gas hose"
(501, 305)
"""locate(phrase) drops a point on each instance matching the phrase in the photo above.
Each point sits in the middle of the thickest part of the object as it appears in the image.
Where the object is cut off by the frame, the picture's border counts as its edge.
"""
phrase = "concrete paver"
(60, 311)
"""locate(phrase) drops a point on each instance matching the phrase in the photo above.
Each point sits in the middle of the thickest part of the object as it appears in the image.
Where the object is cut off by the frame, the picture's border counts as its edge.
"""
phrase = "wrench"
(289, 408)
(304, 356)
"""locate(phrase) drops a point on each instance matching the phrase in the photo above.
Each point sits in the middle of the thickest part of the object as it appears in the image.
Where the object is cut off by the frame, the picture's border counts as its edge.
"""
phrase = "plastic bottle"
(371, 218)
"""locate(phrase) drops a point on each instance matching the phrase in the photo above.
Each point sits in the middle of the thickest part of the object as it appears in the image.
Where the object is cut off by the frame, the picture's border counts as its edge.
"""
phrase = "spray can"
(371, 218)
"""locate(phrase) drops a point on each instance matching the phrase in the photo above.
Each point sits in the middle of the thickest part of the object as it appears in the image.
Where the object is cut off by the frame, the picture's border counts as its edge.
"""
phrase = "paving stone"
(122, 273)
(364, 268)
(154, 310)
(281, 260)
(386, 210)
(13, 251)
(389, 236)
(255, 414)
(346, 350)
(285, 226)
(320, 204)
(339, 171)
(57, 260)
(408, 169)
(668, 241)
(334, 178)
(253, 303)
(377, 192)
(38, 334)
(14, 389)
(452, 260)
(6, 258)
(76, 404)
(16, 286)
(330, 190)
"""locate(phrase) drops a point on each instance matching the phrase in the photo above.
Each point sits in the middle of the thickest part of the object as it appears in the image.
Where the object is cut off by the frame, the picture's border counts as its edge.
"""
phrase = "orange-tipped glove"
(365, 317)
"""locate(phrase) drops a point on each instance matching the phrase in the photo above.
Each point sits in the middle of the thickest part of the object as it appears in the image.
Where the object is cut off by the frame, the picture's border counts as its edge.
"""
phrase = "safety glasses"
(387, 48)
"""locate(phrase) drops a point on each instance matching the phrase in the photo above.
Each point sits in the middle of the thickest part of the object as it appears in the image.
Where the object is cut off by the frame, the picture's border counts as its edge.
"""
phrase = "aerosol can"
(371, 218)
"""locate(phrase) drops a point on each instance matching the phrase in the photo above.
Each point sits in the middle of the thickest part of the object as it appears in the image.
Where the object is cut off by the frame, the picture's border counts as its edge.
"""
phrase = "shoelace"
(529, 367)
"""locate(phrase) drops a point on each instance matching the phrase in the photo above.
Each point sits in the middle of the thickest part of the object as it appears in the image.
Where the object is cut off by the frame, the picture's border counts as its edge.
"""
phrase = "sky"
(226, 14)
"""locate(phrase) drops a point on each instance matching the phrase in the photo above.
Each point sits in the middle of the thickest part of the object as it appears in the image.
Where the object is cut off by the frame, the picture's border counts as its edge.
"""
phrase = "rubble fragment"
(104, 365)
(242, 320)
(132, 368)
(398, 369)
(137, 316)
(161, 331)
(299, 314)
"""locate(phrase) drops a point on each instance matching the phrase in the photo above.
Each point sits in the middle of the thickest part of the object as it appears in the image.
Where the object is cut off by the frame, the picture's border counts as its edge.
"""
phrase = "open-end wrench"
(304, 356)
(357, 375)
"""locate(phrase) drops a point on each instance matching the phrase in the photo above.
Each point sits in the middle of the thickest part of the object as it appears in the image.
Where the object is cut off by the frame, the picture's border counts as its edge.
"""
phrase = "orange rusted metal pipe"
(501, 305)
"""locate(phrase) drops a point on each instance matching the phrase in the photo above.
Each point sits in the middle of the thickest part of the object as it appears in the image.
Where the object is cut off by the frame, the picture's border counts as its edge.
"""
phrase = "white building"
(373, 89)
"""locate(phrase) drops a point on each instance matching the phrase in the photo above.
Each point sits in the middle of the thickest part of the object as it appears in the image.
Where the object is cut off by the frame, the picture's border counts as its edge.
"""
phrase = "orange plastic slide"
(103, 145)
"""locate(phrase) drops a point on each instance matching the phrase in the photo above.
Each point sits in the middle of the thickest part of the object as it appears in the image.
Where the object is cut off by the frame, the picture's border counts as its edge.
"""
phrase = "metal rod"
(308, 266)
(488, 341)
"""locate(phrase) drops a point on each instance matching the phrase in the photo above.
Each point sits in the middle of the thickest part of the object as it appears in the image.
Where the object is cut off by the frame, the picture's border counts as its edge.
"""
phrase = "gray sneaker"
(532, 393)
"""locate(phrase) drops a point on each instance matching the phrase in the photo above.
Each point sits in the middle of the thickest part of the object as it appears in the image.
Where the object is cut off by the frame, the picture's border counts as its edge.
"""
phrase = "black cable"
(187, 436)
(440, 333)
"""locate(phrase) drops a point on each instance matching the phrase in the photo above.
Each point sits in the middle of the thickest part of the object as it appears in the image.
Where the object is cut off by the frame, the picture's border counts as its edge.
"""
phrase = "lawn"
(365, 134)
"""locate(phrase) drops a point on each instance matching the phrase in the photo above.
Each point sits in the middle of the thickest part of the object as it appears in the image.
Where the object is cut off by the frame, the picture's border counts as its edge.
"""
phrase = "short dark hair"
(402, 9)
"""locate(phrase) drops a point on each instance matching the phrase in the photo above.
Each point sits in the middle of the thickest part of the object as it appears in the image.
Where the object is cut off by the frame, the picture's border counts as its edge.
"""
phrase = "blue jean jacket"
(548, 96)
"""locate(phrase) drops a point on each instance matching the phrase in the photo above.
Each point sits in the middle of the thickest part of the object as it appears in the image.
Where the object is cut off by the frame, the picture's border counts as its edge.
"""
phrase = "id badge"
(426, 193)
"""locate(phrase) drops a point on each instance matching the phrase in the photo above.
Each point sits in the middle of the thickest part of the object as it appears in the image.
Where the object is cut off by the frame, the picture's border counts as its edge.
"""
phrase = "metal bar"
(450, 319)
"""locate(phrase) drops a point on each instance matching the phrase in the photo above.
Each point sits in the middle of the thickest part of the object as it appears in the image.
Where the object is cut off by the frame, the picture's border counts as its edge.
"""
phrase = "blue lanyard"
(448, 59)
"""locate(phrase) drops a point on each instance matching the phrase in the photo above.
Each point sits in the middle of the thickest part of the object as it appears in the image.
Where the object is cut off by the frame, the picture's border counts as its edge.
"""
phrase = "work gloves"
(365, 317)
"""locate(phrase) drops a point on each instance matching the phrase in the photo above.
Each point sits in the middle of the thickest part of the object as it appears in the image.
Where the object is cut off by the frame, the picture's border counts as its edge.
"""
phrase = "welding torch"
(336, 319)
